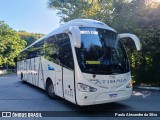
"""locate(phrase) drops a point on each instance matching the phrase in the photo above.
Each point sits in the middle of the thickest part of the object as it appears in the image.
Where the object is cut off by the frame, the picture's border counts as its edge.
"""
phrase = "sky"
(29, 15)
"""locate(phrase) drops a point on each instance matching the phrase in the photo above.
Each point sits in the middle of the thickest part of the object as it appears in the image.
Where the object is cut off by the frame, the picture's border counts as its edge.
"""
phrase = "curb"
(148, 88)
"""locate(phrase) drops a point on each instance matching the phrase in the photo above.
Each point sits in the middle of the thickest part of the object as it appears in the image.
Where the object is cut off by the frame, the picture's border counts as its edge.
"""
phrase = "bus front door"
(59, 90)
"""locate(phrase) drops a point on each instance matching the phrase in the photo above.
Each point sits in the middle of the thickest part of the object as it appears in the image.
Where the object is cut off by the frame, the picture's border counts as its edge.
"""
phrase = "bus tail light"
(85, 88)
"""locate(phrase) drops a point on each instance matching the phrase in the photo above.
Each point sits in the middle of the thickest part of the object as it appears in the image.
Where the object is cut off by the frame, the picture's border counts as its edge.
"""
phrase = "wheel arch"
(21, 76)
(48, 80)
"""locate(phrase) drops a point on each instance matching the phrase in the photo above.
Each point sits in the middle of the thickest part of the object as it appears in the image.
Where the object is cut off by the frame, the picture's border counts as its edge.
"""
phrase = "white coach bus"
(83, 61)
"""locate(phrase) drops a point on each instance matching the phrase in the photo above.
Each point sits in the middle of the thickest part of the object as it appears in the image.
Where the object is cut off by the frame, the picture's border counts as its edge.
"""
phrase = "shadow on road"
(101, 110)
(101, 107)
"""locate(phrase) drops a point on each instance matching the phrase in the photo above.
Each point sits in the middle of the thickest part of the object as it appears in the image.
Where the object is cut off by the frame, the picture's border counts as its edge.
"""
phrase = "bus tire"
(50, 89)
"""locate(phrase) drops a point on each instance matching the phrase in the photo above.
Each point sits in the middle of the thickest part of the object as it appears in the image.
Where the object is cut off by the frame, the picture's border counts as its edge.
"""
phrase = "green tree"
(29, 37)
(140, 17)
(72, 9)
(10, 45)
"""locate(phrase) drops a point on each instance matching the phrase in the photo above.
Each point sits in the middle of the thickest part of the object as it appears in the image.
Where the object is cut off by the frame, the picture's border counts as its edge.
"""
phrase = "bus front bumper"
(105, 97)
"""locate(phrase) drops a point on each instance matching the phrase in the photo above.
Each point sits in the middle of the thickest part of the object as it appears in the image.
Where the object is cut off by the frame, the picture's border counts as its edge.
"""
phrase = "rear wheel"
(50, 90)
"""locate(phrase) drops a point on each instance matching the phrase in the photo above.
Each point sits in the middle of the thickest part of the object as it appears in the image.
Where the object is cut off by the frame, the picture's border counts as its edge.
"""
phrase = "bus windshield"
(100, 53)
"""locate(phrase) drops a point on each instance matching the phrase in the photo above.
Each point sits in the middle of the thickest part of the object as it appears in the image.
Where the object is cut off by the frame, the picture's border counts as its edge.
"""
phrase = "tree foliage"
(29, 37)
(72, 9)
(10, 44)
(140, 17)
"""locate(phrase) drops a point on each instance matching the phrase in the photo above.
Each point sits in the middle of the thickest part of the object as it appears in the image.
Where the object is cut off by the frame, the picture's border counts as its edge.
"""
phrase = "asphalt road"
(15, 96)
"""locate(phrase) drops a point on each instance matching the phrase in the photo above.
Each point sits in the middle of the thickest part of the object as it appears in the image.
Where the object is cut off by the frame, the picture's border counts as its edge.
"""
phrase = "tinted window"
(33, 51)
(36, 50)
(101, 53)
(52, 49)
(67, 57)
(58, 50)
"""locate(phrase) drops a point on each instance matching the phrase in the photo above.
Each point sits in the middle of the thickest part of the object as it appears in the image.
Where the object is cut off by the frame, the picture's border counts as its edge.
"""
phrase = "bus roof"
(75, 22)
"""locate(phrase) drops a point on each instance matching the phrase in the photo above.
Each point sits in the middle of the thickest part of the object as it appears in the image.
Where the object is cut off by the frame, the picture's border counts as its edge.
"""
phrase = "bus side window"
(30, 53)
(24, 55)
(37, 49)
(19, 58)
(51, 49)
(58, 50)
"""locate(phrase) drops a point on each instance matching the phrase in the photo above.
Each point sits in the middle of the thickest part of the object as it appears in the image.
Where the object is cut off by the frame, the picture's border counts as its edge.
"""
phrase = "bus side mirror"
(76, 36)
(134, 38)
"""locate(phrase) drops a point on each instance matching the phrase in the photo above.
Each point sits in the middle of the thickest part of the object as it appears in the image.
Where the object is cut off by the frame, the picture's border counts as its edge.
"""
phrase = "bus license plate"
(113, 95)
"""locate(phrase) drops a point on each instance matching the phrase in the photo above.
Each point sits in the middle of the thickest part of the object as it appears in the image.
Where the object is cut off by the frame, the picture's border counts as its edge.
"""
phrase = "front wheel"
(50, 90)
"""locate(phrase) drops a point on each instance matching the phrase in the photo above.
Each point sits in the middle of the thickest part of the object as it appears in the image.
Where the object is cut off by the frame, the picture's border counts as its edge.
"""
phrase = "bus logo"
(110, 81)
(50, 68)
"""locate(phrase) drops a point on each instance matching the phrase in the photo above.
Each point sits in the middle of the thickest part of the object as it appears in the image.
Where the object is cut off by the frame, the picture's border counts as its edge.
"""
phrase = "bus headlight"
(85, 88)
